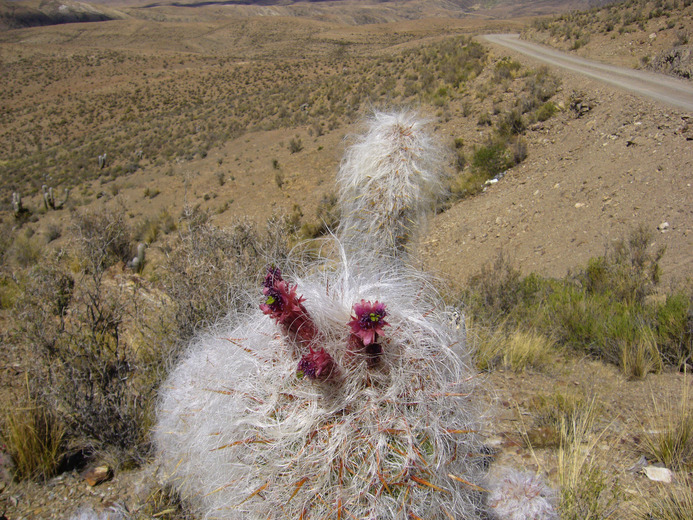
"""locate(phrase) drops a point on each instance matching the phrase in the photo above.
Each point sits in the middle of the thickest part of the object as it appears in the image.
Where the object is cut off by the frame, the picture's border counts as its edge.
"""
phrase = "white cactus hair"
(516, 495)
(240, 436)
(388, 181)
(88, 513)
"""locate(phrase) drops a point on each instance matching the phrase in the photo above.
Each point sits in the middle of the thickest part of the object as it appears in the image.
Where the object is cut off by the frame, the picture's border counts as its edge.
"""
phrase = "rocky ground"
(591, 175)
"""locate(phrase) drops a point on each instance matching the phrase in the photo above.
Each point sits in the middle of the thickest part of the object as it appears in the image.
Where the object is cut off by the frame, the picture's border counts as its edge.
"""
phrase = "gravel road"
(657, 86)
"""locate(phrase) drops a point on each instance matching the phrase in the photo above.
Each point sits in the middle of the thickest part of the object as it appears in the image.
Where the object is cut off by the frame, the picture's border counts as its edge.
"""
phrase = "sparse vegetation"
(603, 311)
(647, 24)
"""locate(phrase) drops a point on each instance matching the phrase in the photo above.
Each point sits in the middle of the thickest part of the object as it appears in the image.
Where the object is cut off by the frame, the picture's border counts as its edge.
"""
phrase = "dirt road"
(657, 86)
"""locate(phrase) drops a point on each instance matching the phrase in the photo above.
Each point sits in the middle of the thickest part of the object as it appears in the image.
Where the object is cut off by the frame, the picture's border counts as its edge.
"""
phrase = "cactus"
(102, 161)
(88, 513)
(348, 393)
(17, 203)
(49, 198)
(18, 208)
(388, 181)
(514, 495)
(137, 263)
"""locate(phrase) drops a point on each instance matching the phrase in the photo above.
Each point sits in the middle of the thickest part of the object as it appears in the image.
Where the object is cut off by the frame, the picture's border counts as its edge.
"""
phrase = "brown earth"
(587, 181)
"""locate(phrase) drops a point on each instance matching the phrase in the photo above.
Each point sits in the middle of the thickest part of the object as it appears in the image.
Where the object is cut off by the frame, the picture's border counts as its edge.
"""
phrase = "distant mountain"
(16, 14)
(28, 13)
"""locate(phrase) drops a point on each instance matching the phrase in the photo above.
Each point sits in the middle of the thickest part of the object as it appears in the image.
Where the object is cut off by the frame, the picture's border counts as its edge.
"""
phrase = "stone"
(659, 474)
(97, 475)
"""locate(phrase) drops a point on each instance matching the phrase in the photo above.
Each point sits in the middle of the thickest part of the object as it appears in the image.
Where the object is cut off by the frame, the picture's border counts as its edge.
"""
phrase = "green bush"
(491, 159)
(675, 329)
(604, 311)
(546, 111)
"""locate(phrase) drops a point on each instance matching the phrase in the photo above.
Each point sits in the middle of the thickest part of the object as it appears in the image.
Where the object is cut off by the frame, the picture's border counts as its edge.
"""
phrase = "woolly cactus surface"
(242, 436)
(348, 391)
(516, 495)
(388, 181)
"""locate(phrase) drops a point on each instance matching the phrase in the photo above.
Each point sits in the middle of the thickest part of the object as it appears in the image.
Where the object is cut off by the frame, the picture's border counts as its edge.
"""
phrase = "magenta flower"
(274, 275)
(316, 365)
(369, 321)
(286, 308)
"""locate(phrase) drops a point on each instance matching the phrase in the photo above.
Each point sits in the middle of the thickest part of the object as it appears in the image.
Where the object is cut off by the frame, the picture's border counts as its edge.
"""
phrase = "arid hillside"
(150, 163)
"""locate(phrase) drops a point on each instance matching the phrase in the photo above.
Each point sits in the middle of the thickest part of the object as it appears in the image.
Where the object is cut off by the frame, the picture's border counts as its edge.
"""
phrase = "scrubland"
(217, 160)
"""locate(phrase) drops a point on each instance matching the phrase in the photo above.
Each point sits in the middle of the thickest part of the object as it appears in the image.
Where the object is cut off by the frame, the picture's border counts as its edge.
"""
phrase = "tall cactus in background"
(348, 392)
(17, 207)
(49, 198)
(388, 181)
(137, 263)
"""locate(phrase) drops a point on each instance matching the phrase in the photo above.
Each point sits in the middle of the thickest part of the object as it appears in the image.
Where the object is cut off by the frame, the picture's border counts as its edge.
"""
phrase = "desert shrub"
(26, 251)
(146, 231)
(491, 159)
(84, 367)
(327, 215)
(295, 145)
(506, 68)
(511, 123)
(542, 85)
(602, 311)
(209, 269)
(674, 329)
(546, 111)
(628, 272)
(499, 294)
(103, 239)
(519, 150)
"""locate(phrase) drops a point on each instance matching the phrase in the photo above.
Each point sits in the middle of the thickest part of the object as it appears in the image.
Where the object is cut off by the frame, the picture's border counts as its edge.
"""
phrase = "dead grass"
(587, 491)
(34, 439)
(674, 503)
(516, 350)
(670, 439)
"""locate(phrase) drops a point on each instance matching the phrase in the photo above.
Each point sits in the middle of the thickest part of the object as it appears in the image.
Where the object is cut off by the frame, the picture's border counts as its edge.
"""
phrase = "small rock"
(663, 227)
(638, 466)
(659, 474)
(97, 475)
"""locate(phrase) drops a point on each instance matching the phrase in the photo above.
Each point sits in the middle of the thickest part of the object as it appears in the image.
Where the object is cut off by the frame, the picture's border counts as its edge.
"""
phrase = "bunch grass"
(671, 441)
(34, 439)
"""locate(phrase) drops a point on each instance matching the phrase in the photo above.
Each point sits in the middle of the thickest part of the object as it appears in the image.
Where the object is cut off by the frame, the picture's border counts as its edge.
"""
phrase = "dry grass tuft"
(587, 492)
(675, 503)
(517, 350)
(34, 440)
(671, 443)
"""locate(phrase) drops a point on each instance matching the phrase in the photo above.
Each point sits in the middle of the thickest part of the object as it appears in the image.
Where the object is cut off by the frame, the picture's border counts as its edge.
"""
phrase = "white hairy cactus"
(516, 495)
(348, 393)
(388, 181)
